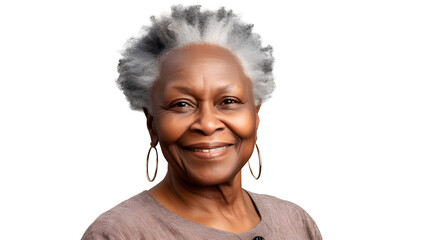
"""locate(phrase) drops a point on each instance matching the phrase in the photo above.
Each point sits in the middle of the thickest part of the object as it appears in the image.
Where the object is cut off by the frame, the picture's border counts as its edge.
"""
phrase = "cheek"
(171, 127)
(243, 124)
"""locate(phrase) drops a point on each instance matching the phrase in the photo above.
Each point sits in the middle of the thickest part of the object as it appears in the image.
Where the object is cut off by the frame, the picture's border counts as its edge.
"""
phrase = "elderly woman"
(200, 77)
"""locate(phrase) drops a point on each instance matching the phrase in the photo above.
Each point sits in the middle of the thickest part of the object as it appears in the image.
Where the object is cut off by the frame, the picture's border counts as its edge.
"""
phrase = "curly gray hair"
(139, 66)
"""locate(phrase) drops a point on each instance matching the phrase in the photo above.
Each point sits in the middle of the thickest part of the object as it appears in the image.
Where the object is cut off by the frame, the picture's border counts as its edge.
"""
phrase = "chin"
(213, 176)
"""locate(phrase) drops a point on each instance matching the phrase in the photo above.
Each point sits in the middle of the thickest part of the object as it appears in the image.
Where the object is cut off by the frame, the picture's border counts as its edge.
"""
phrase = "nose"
(207, 121)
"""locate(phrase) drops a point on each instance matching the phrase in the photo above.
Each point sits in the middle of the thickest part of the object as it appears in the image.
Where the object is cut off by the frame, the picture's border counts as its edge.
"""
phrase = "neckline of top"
(259, 228)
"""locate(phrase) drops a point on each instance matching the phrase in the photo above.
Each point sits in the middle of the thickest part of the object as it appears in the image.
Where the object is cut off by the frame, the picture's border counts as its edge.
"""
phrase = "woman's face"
(203, 114)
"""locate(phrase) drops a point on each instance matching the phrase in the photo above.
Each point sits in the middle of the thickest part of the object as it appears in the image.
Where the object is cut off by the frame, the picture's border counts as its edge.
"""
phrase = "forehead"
(201, 62)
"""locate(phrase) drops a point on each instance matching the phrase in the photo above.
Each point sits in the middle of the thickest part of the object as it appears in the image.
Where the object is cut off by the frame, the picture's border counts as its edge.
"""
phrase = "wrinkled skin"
(205, 119)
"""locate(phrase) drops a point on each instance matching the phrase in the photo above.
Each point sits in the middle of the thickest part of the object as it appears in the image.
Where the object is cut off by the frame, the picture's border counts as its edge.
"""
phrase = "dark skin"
(205, 119)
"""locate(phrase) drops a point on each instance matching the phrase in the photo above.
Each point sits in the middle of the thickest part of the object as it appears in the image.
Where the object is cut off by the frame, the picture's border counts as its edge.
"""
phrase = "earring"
(260, 164)
(147, 164)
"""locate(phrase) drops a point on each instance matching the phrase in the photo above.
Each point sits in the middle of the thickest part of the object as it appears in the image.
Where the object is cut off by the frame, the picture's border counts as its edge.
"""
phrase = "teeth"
(210, 150)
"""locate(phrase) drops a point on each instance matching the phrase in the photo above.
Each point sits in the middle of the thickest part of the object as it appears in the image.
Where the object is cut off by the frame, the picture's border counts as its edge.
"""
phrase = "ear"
(257, 115)
(257, 108)
(257, 119)
(151, 128)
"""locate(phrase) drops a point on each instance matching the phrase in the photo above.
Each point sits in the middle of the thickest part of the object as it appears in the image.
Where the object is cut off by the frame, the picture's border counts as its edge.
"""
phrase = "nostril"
(205, 130)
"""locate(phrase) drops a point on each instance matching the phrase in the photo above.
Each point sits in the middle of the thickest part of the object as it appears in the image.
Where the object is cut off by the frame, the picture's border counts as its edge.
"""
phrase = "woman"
(200, 77)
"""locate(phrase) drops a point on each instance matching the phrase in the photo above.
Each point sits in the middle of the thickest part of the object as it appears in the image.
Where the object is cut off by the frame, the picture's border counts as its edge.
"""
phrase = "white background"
(345, 134)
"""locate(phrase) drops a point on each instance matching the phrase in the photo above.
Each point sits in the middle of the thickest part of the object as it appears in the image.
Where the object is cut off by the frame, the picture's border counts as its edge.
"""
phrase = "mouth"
(209, 149)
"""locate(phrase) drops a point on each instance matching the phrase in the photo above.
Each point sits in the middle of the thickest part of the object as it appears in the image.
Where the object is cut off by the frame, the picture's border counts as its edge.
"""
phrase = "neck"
(192, 195)
(224, 206)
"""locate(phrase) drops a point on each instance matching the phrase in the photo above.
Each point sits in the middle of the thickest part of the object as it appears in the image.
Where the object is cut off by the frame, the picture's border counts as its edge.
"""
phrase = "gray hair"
(140, 63)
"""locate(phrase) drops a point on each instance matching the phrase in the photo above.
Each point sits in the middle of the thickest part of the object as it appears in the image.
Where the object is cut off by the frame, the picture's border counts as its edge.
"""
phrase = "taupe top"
(143, 217)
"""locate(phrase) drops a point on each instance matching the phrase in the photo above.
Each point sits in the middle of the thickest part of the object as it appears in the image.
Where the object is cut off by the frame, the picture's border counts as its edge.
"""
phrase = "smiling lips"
(208, 147)
(209, 150)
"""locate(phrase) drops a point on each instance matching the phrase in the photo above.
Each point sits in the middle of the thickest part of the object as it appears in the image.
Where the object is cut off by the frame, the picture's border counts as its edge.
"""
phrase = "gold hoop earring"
(260, 164)
(147, 164)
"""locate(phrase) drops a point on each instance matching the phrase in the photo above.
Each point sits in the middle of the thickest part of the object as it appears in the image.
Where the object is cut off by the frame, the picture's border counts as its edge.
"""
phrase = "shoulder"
(279, 213)
(278, 208)
(270, 203)
(274, 201)
(123, 220)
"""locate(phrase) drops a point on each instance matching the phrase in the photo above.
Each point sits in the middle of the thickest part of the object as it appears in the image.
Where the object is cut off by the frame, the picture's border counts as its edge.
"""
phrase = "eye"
(229, 101)
(180, 104)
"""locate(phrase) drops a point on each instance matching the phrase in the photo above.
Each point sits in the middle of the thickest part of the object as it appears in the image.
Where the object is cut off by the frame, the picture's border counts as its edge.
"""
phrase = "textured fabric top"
(143, 217)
